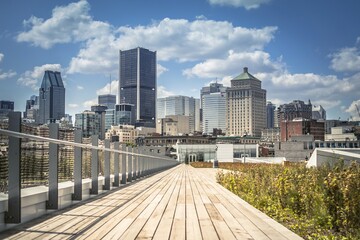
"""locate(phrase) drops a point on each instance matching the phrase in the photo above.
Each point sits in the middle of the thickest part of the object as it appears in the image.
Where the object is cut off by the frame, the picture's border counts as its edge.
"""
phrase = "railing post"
(136, 159)
(140, 163)
(53, 201)
(13, 215)
(130, 164)
(107, 165)
(123, 164)
(94, 166)
(116, 165)
(77, 167)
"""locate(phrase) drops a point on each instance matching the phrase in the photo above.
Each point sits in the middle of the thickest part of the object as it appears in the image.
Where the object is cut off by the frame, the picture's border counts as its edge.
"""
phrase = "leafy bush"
(322, 203)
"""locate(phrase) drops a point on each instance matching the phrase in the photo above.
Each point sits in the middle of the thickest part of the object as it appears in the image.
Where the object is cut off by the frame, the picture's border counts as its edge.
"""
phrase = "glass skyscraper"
(137, 83)
(107, 100)
(51, 98)
(214, 112)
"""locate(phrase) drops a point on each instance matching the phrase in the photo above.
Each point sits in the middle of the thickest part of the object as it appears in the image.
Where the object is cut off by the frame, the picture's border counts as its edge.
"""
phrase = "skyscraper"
(180, 105)
(270, 108)
(214, 112)
(107, 100)
(246, 106)
(137, 83)
(51, 98)
(5, 108)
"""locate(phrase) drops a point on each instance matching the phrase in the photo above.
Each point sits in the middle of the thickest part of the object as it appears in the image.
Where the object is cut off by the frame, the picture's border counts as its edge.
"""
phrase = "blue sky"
(299, 49)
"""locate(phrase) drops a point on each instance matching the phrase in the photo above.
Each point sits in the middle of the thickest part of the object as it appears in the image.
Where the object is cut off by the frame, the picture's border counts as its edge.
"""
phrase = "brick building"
(301, 126)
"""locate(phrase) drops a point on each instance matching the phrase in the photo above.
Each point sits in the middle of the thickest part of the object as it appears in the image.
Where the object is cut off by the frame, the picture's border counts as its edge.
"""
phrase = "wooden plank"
(164, 228)
(148, 231)
(192, 222)
(206, 226)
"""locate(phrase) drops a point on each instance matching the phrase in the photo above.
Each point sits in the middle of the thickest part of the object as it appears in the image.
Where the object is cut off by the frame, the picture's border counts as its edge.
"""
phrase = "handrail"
(133, 164)
(82, 145)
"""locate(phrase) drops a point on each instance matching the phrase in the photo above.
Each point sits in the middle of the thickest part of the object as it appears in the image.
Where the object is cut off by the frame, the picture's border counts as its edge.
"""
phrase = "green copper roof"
(245, 75)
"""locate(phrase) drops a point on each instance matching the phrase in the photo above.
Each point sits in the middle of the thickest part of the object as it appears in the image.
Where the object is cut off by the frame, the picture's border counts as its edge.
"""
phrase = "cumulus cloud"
(87, 104)
(354, 109)
(73, 105)
(346, 60)
(79, 87)
(109, 89)
(8, 74)
(258, 61)
(162, 92)
(70, 23)
(248, 4)
(200, 39)
(33, 78)
(161, 69)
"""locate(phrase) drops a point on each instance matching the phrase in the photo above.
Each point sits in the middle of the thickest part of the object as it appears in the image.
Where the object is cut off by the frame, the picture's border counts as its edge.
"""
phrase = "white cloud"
(73, 105)
(33, 78)
(8, 74)
(106, 89)
(346, 60)
(70, 23)
(257, 61)
(200, 39)
(161, 69)
(162, 92)
(354, 109)
(248, 4)
(79, 87)
(89, 103)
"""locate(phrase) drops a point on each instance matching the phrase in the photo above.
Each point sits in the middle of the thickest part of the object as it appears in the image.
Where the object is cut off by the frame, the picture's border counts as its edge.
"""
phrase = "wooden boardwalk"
(180, 203)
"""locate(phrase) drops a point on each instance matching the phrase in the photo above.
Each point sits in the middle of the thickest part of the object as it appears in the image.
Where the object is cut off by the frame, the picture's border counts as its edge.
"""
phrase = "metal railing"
(133, 159)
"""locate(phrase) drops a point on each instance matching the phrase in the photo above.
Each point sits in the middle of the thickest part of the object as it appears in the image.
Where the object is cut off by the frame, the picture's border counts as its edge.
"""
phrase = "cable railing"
(118, 164)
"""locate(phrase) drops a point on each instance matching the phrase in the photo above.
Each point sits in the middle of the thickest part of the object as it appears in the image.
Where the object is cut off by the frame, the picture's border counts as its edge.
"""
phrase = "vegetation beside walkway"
(321, 203)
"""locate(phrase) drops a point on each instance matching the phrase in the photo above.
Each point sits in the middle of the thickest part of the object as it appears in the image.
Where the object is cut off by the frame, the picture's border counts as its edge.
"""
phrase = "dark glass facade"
(137, 83)
(107, 100)
(51, 98)
(5, 108)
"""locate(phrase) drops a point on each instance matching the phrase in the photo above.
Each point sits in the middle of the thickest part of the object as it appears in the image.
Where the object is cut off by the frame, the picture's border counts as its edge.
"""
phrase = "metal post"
(123, 165)
(107, 165)
(130, 164)
(78, 167)
(53, 201)
(94, 166)
(136, 159)
(13, 215)
(141, 166)
(116, 165)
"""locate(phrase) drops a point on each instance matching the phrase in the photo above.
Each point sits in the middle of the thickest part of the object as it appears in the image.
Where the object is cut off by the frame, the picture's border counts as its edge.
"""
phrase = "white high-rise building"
(246, 106)
(180, 105)
(214, 112)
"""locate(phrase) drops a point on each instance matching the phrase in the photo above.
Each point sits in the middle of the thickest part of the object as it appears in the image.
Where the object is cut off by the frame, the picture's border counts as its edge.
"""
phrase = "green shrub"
(322, 203)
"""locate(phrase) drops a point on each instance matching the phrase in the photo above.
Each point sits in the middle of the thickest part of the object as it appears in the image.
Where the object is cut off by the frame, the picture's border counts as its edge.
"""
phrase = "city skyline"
(299, 50)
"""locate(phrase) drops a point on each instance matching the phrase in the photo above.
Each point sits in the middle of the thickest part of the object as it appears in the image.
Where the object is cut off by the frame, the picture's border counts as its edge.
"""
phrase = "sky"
(299, 49)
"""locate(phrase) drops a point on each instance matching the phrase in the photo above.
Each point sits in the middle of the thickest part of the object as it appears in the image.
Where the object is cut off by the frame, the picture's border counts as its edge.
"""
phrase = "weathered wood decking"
(180, 203)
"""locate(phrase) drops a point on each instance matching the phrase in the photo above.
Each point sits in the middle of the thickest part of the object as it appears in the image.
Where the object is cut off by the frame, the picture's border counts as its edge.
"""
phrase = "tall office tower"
(180, 105)
(32, 108)
(123, 114)
(51, 98)
(107, 100)
(295, 109)
(100, 111)
(5, 108)
(89, 122)
(245, 106)
(212, 88)
(318, 113)
(270, 108)
(137, 83)
(214, 112)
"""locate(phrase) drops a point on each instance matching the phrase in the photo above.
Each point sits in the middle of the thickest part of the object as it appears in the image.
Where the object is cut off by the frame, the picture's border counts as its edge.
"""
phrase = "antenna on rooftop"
(110, 84)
